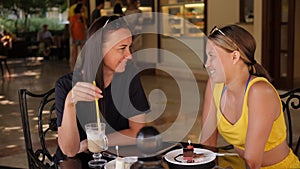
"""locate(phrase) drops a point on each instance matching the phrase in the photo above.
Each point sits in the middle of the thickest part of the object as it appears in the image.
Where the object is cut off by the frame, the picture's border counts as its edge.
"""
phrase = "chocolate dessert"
(188, 154)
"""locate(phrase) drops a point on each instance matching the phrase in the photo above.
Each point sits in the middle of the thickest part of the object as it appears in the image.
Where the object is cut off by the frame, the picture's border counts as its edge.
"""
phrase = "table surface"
(221, 162)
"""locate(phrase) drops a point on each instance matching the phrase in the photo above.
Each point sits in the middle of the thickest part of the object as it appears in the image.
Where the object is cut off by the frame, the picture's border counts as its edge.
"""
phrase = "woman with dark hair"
(242, 104)
(122, 101)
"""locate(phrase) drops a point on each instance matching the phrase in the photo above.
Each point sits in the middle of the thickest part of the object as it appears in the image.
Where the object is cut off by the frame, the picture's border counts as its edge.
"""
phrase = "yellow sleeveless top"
(235, 134)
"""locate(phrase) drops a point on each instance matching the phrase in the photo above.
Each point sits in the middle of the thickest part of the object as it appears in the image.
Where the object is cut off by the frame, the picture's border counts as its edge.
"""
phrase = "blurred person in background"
(6, 39)
(134, 19)
(97, 11)
(132, 7)
(118, 9)
(45, 40)
(77, 32)
(85, 10)
(7, 42)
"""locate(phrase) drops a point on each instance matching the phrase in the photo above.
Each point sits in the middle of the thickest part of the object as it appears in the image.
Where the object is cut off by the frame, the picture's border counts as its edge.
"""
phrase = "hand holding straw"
(97, 110)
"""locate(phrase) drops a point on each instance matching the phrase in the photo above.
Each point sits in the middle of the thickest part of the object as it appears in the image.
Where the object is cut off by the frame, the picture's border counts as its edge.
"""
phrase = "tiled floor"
(172, 101)
(35, 75)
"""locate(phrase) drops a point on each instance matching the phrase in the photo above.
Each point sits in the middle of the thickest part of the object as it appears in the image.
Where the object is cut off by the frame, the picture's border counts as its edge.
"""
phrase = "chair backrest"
(44, 112)
(291, 103)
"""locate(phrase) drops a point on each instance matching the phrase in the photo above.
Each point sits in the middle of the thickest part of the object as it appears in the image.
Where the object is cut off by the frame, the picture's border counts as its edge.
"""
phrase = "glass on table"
(97, 142)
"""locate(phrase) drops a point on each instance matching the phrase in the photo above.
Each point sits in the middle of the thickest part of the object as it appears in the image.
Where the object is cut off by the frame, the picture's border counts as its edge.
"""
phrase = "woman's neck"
(108, 75)
(238, 81)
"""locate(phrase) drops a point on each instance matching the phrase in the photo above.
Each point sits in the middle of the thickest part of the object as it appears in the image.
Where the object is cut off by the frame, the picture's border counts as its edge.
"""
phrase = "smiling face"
(116, 48)
(216, 62)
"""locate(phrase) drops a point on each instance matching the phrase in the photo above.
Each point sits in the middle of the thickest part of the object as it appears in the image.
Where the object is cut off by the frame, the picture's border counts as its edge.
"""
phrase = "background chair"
(38, 156)
(291, 104)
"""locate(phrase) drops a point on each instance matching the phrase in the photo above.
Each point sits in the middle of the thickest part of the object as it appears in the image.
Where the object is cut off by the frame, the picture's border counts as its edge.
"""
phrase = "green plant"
(53, 24)
(30, 10)
(35, 24)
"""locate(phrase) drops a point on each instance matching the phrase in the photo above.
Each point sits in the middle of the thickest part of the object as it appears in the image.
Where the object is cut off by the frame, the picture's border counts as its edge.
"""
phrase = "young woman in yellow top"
(241, 104)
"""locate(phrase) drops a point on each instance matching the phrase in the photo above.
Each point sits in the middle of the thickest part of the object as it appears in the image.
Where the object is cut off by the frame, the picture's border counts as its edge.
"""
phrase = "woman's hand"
(84, 91)
(68, 136)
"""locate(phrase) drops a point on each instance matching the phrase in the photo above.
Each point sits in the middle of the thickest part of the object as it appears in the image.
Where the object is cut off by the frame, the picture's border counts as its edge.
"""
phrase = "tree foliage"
(29, 7)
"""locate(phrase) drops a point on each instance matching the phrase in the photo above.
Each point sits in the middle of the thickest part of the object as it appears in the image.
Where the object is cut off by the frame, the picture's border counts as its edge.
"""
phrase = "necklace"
(248, 80)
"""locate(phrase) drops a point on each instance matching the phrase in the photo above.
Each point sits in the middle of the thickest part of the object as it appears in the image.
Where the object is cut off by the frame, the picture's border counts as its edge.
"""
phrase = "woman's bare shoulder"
(263, 96)
(261, 88)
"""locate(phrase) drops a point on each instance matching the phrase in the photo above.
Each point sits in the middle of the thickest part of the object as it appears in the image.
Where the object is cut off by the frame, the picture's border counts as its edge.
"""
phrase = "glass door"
(286, 45)
(278, 41)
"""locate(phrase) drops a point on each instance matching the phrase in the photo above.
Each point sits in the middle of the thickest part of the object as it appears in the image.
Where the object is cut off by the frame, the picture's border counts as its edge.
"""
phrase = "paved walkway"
(37, 76)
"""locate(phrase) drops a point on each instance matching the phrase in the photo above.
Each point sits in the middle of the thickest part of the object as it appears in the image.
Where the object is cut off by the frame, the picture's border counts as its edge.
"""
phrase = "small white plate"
(112, 163)
(207, 157)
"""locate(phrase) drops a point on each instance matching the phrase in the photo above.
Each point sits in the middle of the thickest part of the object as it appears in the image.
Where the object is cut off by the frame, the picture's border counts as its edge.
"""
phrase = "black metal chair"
(39, 157)
(291, 102)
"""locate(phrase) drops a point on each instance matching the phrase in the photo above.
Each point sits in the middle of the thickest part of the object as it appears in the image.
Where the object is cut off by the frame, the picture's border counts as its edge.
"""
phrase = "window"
(246, 11)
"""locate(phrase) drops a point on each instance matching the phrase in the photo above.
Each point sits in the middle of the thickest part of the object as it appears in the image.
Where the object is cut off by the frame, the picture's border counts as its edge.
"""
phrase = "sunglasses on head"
(218, 30)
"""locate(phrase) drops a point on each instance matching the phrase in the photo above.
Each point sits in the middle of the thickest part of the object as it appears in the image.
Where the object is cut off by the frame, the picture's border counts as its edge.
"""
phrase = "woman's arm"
(68, 135)
(128, 136)
(264, 108)
(209, 132)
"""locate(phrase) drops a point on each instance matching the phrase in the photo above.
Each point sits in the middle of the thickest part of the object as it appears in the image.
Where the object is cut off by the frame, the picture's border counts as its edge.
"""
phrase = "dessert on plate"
(188, 152)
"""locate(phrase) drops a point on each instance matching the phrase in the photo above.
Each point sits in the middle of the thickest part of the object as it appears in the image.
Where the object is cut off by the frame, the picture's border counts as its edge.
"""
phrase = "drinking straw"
(117, 150)
(97, 110)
